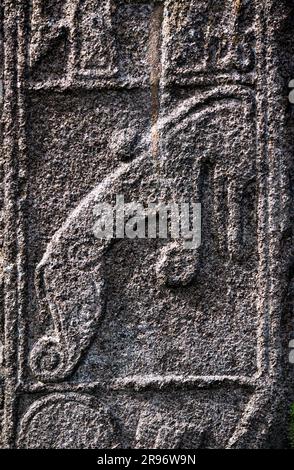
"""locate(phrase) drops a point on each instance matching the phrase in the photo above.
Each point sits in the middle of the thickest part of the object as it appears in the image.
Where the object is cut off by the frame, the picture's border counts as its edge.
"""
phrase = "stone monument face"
(141, 342)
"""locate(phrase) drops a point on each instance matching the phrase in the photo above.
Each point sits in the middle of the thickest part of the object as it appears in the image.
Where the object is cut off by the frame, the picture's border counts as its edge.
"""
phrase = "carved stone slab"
(142, 343)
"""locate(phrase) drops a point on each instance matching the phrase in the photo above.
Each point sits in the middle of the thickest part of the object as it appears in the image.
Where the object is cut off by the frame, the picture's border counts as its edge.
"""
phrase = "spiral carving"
(47, 360)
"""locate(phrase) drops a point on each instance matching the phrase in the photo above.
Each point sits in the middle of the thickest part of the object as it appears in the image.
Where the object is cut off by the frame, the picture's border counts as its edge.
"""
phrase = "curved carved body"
(70, 280)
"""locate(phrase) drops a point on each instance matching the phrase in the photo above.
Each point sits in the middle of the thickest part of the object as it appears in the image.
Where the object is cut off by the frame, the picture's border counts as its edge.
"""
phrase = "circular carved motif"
(71, 421)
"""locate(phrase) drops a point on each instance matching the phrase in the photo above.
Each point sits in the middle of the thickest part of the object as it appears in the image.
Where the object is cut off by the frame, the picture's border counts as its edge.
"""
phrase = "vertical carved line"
(276, 192)
(15, 55)
(262, 48)
(22, 65)
(267, 110)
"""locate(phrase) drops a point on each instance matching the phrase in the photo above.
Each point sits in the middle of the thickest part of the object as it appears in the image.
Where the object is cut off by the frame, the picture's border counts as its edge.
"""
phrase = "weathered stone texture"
(142, 343)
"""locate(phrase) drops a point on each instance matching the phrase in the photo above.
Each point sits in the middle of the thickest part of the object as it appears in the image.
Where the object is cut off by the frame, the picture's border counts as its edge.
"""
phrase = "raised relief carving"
(70, 282)
(89, 43)
(189, 420)
(50, 38)
(70, 279)
(169, 433)
(181, 420)
(201, 38)
(220, 161)
(70, 421)
(95, 44)
(183, 347)
(72, 38)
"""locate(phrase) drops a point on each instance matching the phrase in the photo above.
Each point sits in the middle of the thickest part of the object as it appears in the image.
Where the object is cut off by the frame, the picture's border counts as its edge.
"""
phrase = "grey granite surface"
(144, 343)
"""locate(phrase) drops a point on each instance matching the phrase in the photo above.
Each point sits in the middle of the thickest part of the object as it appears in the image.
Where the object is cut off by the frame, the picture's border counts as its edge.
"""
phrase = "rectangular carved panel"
(137, 342)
